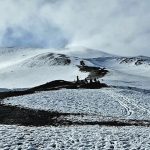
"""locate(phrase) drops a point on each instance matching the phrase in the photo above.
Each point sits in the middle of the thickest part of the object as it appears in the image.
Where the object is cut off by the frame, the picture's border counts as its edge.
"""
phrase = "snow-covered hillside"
(127, 98)
(125, 73)
(84, 52)
(22, 71)
(12, 56)
(117, 103)
(23, 68)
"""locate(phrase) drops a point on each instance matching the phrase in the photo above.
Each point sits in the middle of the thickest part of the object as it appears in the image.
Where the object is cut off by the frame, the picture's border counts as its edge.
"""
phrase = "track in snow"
(112, 102)
(74, 137)
(130, 103)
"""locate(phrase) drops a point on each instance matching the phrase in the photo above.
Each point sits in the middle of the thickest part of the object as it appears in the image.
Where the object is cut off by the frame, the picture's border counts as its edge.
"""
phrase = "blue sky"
(115, 26)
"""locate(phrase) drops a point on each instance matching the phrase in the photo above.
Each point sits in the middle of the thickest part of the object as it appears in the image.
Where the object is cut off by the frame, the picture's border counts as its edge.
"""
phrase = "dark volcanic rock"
(29, 117)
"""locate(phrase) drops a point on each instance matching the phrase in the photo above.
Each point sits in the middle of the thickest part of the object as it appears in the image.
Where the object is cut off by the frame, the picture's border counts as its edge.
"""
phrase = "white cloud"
(119, 26)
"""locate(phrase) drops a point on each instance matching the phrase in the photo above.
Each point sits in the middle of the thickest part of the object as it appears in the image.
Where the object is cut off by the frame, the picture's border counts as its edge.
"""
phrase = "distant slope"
(11, 56)
(53, 59)
(39, 69)
(23, 68)
(126, 71)
(139, 65)
(83, 52)
(139, 60)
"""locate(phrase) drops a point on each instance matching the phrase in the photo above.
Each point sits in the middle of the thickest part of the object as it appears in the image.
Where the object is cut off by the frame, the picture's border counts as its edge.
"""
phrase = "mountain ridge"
(38, 66)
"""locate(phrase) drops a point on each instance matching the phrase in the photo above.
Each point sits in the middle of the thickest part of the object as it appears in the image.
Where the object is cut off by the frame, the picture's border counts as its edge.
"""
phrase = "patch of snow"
(12, 56)
(119, 103)
(40, 69)
(124, 74)
(22, 77)
(74, 137)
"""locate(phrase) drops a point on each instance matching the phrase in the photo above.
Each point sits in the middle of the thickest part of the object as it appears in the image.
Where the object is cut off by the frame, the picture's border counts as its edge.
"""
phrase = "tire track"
(119, 99)
(128, 103)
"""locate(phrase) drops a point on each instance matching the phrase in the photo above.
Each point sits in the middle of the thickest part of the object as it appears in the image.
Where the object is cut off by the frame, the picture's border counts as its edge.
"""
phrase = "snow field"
(74, 137)
(106, 102)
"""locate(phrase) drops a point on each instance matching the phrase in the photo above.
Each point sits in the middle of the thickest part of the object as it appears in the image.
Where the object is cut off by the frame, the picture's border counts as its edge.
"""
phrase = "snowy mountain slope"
(83, 52)
(50, 59)
(22, 68)
(139, 60)
(11, 56)
(17, 77)
(125, 73)
(127, 79)
(126, 64)
(40, 69)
